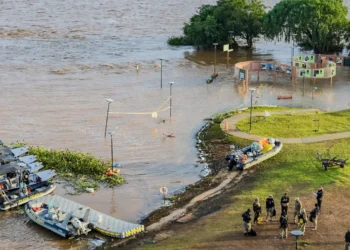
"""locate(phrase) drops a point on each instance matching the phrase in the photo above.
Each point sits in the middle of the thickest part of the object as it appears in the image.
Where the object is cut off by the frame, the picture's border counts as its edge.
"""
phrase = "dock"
(103, 223)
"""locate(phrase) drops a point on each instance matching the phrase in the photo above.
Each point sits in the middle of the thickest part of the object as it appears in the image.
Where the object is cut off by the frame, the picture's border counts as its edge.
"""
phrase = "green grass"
(298, 125)
(81, 170)
(294, 170)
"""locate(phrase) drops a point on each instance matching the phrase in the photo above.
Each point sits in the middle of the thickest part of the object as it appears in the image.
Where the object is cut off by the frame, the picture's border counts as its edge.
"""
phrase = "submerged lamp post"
(215, 44)
(109, 102)
(111, 134)
(251, 106)
(313, 89)
(171, 98)
(161, 72)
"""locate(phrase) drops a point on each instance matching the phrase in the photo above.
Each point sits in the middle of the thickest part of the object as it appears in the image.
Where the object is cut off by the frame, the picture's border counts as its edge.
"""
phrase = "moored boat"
(47, 212)
(283, 97)
(20, 180)
(255, 153)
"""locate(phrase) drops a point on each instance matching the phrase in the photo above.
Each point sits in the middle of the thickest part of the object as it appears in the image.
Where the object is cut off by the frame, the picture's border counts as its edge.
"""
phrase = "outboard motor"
(80, 226)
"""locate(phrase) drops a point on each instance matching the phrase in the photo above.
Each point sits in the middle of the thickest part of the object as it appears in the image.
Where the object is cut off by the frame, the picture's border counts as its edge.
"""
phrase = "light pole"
(161, 72)
(215, 44)
(303, 85)
(296, 233)
(111, 134)
(229, 50)
(251, 106)
(171, 98)
(109, 101)
(313, 89)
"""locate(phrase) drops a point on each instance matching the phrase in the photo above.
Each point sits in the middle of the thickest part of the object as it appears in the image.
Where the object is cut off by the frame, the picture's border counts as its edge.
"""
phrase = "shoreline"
(209, 186)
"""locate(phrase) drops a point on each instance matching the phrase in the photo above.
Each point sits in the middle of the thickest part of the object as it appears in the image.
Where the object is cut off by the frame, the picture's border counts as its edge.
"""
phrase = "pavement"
(231, 122)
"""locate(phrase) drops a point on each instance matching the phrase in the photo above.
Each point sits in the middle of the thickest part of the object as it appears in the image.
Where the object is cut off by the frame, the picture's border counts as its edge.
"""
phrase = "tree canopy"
(223, 23)
(318, 25)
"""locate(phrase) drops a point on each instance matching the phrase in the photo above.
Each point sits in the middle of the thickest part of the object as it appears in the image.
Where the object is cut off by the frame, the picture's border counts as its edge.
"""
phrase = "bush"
(179, 41)
(82, 170)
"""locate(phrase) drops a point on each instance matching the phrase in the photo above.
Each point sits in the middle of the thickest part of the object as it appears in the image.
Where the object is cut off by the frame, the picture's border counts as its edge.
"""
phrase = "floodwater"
(60, 60)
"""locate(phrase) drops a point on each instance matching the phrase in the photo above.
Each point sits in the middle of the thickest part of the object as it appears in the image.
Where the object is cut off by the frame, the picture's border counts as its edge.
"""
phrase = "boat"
(20, 180)
(253, 154)
(282, 97)
(68, 218)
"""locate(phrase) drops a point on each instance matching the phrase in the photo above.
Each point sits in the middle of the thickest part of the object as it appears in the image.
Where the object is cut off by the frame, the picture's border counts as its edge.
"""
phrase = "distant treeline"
(318, 25)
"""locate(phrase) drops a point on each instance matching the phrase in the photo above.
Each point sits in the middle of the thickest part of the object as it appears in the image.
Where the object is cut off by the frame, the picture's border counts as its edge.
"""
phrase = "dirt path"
(181, 212)
(233, 130)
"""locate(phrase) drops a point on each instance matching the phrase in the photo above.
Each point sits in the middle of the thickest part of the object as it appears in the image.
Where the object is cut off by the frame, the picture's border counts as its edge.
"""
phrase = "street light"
(161, 72)
(109, 101)
(171, 84)
(296, 233)
(251, 106)
(313, 89)
(111, 134)
(215, 44)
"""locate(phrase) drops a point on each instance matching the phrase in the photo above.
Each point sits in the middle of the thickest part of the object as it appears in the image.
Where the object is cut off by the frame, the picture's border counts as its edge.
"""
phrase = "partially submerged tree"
(318, 25)
(213, 23)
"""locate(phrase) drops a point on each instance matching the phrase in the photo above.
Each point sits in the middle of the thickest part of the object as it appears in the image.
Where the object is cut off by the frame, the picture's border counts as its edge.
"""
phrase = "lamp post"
(161, 72)
(229, 50)
(171, 98)
(109, 101)
(215, 44)
(313, 89)
(251, 106)
(111, 134)
(296, 233)
(303, 85)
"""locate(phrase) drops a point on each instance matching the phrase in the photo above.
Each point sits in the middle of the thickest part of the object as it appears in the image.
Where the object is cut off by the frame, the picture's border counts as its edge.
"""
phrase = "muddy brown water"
(60, 60)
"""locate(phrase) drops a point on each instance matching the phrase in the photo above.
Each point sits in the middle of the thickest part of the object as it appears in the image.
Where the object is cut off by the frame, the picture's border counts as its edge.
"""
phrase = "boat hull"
(58, 230)
(263, 157)
(24, 200)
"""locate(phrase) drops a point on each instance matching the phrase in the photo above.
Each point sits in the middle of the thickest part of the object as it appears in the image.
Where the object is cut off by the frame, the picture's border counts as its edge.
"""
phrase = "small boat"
(20, 180)
(282, 97)
(257, 152)
(68, 218)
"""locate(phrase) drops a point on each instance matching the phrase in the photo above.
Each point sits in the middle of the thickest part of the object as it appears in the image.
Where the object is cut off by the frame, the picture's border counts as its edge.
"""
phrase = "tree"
(213, 23)
(319, 25)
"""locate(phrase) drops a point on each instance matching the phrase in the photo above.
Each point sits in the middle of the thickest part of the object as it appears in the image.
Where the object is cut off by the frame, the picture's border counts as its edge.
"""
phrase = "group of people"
(300, 216)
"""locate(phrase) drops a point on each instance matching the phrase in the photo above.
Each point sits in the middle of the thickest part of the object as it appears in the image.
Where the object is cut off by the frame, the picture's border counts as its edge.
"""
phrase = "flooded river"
(60, 60)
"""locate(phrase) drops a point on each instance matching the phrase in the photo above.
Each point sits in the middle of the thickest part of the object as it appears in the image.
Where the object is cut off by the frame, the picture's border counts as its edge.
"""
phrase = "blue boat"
(68, 218)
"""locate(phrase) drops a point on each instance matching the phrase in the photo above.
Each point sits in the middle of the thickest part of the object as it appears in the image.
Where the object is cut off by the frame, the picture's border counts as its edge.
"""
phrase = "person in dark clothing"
(270, 207)
(284, 203)
(319, 196)
(257, 210)
(313, 216)
(284, 225)
(347, 240)
(246, 222)
(302, 220)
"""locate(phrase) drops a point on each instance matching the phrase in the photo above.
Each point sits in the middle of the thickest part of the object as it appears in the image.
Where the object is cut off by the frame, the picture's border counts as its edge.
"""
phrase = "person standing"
(284, 203)
(270, 208)
(319, 197)
(284, 225)
(257, 210)
(297, 209)
(314, 216)
(246, 222)
(347, 240)
(302, 220)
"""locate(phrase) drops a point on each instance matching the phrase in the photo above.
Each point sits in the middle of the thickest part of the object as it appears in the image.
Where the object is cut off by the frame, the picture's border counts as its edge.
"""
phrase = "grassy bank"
(298, 125)
(294, 170)
(81, 170)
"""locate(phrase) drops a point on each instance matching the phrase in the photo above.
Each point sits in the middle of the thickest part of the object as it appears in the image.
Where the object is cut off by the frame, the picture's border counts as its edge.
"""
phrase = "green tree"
(319, 25)
(213, 23)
